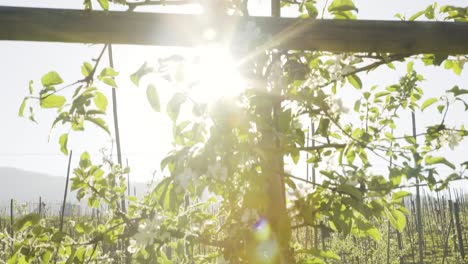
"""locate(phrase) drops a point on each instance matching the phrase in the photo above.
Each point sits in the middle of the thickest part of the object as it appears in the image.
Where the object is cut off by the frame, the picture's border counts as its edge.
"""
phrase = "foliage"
(224, 185)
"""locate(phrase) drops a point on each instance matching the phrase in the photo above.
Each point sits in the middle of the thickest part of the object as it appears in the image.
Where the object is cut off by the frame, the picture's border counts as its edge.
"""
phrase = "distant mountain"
(27, 186)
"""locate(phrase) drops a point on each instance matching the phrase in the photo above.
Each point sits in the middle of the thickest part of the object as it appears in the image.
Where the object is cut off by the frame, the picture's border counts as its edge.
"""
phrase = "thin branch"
(368, 67)
(88, 79)
(332, 145)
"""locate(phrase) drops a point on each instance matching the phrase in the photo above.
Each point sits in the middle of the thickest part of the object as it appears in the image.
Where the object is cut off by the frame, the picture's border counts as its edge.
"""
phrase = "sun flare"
(216, 74)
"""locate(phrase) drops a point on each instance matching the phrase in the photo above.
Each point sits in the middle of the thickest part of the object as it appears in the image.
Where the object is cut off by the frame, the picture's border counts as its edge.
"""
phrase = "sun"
(215, 73)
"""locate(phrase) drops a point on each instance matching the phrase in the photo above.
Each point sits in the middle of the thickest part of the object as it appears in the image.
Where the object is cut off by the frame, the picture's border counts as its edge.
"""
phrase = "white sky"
(145, 135)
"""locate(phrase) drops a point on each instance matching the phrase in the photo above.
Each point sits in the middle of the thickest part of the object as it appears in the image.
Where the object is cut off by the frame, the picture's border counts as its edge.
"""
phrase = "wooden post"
(459, 229)
(11, 217)
(451, 209)
(39, 209)
(446, 239)
(400, 246)
(419, 225)
(62, 213)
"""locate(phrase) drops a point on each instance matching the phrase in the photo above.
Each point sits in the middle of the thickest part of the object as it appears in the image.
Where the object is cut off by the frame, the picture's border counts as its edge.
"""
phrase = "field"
(444, 236)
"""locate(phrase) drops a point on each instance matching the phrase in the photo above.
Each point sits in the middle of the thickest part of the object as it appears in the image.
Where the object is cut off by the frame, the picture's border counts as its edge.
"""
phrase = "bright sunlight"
(215, 74)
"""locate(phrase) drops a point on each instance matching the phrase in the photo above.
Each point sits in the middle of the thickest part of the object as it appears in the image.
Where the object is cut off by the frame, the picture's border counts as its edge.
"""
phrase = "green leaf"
(373, 233)
(100, 100)
(108, 72)
(397, 219)
(430, 160)
(409, 67)
(322, 128)
(63, 140)
(440, 108)
(144, 69)
(415, 16)
(45, 257)
(85, 160)
(31, 89)
(350, 190)
(350, 155)
(86, 69)
(153, 97)
(355, 81)
(295, 155)
(173, 107)
(428, 103)
(51, 78)
(98, 122)
(52, 101)
(26, 221)
(457, 91)
(104, 4)
(109, 81)
(439, 58)
(398, 196)
(342, 6)
(22, 106)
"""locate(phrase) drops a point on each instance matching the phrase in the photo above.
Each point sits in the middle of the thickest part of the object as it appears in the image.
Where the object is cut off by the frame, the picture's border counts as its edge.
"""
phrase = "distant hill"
(27, 186)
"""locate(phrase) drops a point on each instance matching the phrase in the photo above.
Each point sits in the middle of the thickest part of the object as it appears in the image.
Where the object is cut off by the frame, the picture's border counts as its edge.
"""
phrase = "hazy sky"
(145, 135)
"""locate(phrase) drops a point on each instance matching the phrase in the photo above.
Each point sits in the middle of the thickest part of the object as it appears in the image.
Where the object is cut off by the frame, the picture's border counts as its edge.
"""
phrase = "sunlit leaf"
(100, 100)
(98, 122)
(52, 101)
(398, 196)
(397, 219)
(63, 141)
(428, 103)
(355, 81)
(86, 69)
(373, 233)
(104, 4)
(142, 71)
(173, 107)
(341, 6)
(153, 97)
(85, 160)
(109, 81)
(108, 72)
(31, 89)
(431, 160)
(22, 106)
(350, 190)
(51, 78)
(415, 16)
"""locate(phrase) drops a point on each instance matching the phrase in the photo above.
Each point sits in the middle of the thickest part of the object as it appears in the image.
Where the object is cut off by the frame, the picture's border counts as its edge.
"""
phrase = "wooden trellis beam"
(76, 26)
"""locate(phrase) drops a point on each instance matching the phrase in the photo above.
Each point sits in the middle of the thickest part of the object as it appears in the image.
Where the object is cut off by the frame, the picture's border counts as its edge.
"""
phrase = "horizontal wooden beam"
(58, 25)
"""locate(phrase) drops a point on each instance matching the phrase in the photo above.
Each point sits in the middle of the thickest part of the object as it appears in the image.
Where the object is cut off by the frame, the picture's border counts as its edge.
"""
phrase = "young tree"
(233, 151)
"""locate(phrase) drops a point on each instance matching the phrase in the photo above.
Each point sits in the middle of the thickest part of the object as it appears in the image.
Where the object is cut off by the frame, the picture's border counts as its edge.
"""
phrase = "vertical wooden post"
(39, 209)
(62, 213)
(119, 151)
(11, 217)
(116, 122)
(419, 225)
(400, 246)
(459, 229)
(451, 209)
(447, 238)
